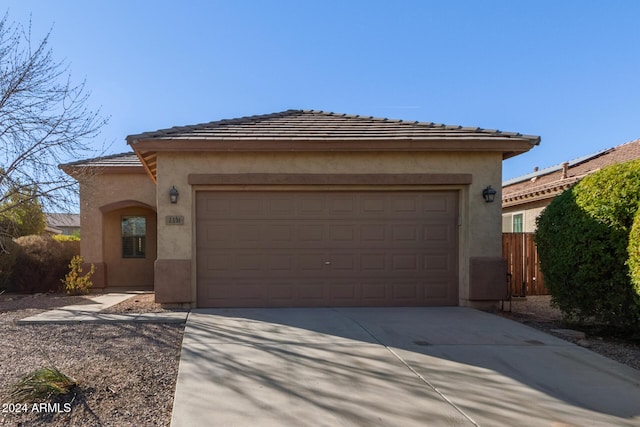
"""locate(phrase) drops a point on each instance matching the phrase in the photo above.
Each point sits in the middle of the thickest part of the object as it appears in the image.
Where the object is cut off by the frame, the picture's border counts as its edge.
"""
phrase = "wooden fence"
(523, 264)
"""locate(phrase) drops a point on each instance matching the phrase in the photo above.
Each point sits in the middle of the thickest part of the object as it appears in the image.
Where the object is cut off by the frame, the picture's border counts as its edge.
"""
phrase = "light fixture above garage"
(489, 194)
(173, 195)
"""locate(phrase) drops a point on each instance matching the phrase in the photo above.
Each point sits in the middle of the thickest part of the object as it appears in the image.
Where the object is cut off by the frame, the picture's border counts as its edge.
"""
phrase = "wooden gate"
(523, 264)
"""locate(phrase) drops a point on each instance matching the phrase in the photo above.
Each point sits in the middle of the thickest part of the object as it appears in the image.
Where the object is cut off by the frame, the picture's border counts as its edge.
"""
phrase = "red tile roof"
(549, 182)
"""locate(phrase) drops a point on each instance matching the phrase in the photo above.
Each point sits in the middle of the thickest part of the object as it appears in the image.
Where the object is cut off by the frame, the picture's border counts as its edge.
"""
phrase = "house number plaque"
(175, 220)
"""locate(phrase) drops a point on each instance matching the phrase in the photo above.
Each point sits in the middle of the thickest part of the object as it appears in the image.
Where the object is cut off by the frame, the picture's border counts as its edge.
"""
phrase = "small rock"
(584, 343)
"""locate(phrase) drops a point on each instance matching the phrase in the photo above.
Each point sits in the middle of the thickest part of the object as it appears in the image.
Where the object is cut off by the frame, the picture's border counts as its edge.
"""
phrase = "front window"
(517, 223)
(134, 232)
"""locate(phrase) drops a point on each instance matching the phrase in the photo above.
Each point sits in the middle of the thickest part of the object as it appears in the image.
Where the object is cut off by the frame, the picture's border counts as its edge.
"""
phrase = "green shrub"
(8, 255)
(583, 240)
(75, 283)
(42, 384)
(41, 263)
(634, 253)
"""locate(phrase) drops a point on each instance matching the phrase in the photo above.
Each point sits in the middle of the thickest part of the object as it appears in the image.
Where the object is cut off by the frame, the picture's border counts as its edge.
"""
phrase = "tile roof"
(310, 125)
(549, 182)
(128, 159)
(56, 220)
(311, 130)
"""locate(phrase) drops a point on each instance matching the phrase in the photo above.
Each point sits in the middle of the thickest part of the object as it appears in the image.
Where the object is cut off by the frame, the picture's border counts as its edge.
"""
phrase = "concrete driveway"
(392, 367)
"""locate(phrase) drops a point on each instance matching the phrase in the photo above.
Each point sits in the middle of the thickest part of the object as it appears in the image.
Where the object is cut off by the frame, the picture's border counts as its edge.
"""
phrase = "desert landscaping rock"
(536, 312)
(126, 372)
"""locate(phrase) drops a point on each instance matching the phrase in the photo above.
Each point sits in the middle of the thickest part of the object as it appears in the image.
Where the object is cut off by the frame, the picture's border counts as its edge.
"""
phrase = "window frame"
(133, 246)
(519, 215)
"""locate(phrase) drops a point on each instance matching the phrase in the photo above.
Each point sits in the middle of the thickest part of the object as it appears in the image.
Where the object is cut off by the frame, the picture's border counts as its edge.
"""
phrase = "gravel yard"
(535, 311)
(127, 372)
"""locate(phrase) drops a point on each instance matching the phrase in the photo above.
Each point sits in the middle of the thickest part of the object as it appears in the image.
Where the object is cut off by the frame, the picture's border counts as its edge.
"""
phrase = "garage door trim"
(454, 224)
(330, 179)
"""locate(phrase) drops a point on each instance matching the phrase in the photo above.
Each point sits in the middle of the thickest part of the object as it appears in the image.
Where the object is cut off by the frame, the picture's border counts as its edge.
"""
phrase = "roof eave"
(509, 146)
(147, 149)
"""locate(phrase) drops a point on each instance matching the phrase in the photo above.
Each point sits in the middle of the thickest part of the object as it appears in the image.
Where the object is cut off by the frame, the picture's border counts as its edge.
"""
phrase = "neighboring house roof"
(549, 182)
(122, 162)
(310, 130)
(55, 222)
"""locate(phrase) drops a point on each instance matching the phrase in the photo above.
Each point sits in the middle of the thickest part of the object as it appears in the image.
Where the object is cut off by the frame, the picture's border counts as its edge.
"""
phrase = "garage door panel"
(404, 232)
(438, 233)
(372, 233)
(327, 248)
(351, 264)
(405, 292)
(328, 235)
(405, 263)
(374, 293)
(311, 262)
(209, 264)
(281, 292)
(406, 205)
(437, 292)
(219, 291)
(373, 262)
(343, 290)
(310, 233)
(311, 290)
(443, 263)
(341, 205)
(280, 263)
(436, 204)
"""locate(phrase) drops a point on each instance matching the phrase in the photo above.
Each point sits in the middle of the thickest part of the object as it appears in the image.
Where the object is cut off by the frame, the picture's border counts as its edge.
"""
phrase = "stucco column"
(173, 268)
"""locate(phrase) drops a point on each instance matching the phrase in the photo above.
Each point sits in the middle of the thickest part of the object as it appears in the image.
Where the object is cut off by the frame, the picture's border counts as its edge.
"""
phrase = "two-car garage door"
(326, 248)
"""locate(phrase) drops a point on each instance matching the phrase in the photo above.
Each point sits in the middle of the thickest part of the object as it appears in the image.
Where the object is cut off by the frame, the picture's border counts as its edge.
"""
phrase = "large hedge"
(583, 245)
(8, 255)
(41, 264)
(634, 252)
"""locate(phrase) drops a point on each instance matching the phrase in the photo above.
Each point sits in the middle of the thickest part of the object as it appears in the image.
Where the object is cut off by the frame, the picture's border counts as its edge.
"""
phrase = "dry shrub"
(41, 263)
(8, 255)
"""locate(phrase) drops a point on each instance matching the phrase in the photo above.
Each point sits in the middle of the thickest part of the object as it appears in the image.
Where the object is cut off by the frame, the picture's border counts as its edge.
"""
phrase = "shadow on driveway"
(392, 366)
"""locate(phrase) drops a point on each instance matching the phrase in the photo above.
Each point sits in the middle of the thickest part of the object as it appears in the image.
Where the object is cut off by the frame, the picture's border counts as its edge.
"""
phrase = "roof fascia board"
(521, 200)
(503, 145)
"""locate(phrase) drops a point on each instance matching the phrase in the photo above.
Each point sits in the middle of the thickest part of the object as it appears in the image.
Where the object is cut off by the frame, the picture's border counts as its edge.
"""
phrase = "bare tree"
(44, 121)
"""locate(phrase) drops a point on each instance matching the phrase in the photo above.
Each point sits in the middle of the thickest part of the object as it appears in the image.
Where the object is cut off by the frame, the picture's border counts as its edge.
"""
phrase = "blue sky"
(568, 71)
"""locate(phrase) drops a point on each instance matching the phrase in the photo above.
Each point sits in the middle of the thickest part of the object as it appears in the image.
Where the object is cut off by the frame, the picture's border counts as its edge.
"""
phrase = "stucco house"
(62, 223)
(300, 208)
(525, 197)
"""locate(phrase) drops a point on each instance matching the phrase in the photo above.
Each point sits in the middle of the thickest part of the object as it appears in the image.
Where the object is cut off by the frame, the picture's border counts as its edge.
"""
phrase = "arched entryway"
(129, 244)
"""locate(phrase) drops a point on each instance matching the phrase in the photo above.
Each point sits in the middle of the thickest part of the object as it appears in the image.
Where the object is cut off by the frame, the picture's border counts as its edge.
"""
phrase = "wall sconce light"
(173, 195)
(489, 194)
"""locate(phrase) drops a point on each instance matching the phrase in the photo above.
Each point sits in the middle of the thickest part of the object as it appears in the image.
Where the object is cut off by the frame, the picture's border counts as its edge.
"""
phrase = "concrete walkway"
(91, 313)
(449, 366)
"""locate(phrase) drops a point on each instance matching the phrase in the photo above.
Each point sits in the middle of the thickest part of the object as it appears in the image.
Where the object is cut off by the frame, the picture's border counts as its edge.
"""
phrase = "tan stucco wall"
(480, 222)
(529, 211)
(102, 189)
